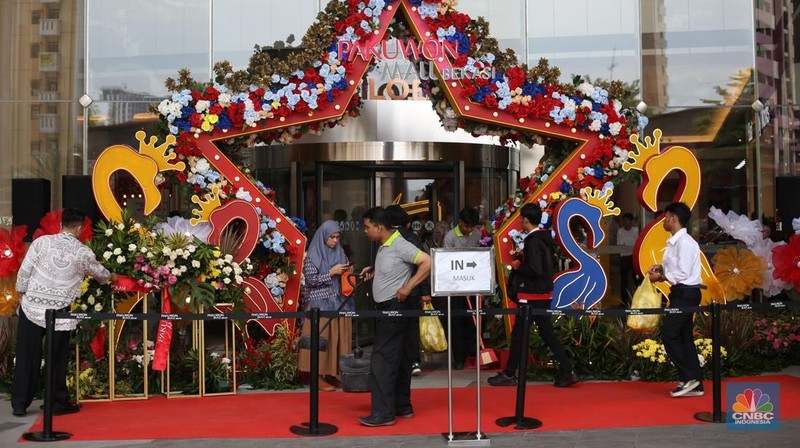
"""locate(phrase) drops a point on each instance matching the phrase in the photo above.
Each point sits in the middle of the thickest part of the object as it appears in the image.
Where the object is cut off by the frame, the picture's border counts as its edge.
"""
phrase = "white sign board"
(462, 272)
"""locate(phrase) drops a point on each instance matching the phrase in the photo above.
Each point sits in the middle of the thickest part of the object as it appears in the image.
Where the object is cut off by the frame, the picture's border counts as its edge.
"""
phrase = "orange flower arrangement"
(739, 271)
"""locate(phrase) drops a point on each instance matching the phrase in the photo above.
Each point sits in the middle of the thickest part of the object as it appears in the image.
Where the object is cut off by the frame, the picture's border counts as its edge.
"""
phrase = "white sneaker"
(694, 393)
(684, 388)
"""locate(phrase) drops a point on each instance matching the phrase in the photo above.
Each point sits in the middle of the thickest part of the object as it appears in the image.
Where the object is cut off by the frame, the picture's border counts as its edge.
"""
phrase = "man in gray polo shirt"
(390, 368)
(463, 235)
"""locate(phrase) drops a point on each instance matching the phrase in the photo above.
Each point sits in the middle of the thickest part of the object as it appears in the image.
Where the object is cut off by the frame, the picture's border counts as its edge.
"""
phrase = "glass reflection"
(506, 21)
(241, 24)
(134, 46)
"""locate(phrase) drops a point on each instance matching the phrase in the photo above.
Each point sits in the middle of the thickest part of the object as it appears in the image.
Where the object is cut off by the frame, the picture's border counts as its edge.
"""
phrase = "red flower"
(12, 249)
(51, 225)
(786, 260)
(516, 77)
(490, 101)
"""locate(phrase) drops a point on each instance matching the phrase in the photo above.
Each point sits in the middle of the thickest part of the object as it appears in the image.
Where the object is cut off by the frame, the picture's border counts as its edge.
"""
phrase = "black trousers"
(626, 273)
(390, 367)
(29, 361)
(412, 341)
(545, 326)
(462, 342)
(676, 334)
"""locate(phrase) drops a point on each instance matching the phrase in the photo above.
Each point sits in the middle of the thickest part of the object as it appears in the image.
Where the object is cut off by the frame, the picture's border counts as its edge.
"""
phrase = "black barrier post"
(313, 427)
(47, 434)
(519, 419)
(716, 416)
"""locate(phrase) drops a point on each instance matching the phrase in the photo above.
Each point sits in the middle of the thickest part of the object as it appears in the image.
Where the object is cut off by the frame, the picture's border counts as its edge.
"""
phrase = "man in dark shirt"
(535, 289)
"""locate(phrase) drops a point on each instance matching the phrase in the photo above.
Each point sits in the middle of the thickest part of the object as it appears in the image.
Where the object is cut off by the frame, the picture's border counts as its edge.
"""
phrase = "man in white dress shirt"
(681, 269)
(50, 278)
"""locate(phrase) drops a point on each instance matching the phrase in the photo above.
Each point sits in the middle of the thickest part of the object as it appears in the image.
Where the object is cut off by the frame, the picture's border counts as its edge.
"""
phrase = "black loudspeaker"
(77, 192)
(786, 191)
(30, 201)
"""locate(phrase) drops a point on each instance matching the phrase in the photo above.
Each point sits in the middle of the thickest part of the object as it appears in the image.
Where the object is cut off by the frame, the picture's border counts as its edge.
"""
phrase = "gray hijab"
(322, 256)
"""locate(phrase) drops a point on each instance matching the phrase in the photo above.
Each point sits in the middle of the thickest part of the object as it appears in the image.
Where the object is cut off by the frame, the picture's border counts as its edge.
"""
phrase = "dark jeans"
(29, 361)
(676, 334)
(390, 367)
(412, 345)
(545, 326)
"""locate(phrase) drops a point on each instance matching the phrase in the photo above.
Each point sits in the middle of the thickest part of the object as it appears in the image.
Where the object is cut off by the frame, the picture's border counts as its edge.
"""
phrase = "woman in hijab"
(324, 265)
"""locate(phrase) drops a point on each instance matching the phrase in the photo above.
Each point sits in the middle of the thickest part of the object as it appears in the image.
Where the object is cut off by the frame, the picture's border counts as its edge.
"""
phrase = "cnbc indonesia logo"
(755, 407)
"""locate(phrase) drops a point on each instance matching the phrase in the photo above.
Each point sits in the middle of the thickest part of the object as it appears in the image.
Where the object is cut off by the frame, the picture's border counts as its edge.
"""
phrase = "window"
(35, 16)
(35, 112)
(34, 51)
(52, 47)
(35, 86)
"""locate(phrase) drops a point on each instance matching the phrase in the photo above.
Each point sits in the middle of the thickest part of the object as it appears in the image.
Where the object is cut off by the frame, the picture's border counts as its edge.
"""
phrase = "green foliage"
(271, 364)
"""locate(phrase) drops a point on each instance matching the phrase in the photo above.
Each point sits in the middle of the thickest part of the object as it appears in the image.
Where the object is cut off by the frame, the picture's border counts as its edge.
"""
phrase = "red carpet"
(584, 406)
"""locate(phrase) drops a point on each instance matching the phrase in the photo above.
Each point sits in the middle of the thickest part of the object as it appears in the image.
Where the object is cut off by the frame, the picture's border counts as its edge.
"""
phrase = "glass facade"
(698, 64)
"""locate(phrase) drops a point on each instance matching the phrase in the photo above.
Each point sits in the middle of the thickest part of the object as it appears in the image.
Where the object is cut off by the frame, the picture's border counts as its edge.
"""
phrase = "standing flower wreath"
(786, 259)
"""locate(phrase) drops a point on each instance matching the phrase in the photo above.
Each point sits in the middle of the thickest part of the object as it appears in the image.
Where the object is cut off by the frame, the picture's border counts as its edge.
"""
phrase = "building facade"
(718, 77)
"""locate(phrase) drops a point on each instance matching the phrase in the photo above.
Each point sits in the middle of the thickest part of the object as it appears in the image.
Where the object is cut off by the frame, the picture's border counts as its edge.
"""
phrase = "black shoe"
(20, 412)
(416, 369)
(68, 409)
(566, 380)
(406, 412)
(684, 388)
(458, 365)
(501, 379)
(372, 420)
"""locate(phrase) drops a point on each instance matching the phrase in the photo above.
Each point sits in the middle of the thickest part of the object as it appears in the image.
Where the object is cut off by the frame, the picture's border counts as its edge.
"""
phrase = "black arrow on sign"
(472, 264)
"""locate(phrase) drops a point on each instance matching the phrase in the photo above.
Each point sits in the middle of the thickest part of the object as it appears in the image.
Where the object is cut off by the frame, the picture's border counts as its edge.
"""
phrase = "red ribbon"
(98, 343)
(127, 284)
(164, 337)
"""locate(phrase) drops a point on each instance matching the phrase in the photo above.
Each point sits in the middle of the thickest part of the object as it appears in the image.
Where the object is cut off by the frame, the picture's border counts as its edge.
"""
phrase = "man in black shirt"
(535, 289)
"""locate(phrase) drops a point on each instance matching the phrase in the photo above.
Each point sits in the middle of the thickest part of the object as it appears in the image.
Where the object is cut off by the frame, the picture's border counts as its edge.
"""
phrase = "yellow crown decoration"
(650, 148)
(212, 202)
(602, 200)
(162, 154)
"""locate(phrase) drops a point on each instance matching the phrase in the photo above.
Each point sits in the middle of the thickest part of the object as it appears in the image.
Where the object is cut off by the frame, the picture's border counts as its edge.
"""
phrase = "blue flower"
(276, 291)
(565, 187)
(299, 223)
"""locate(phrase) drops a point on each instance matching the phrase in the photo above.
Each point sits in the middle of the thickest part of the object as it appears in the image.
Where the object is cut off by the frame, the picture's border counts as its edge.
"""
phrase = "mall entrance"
(340, 181)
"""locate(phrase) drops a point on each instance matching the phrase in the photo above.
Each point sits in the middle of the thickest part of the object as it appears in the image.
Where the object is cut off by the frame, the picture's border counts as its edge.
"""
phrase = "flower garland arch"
(316, 88)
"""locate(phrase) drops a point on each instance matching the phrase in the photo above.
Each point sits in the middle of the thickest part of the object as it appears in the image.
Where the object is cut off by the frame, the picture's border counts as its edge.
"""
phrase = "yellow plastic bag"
(646, 296)
(431, 332)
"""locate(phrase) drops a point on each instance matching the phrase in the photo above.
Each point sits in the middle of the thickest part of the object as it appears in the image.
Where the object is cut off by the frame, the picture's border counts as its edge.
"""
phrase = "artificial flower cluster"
(165, 256)
(652, 350)
(778, 334)
(276, 282)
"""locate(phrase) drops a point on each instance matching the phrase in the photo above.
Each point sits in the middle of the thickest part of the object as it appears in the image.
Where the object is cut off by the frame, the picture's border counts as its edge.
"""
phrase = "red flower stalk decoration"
(786, 259)
(12, 250)
(51, 225)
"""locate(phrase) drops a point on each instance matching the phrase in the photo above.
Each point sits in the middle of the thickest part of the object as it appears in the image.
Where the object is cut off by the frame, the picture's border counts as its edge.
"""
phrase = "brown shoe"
(324, 386)
(333, 381)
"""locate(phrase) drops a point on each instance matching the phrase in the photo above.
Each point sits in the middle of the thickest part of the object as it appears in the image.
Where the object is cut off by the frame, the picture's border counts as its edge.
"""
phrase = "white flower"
(131, 247)
(137, 226)
(176, 272)
(118, 251)
(247, 290)
(121, 259)
(595, 126)
(84, 307)
(165, 251)
(202, 106)
(183, 269)
(214, 355)
(228, 258)
(98, 307)
(586, 89)
(110, 246)
(191, 248)
(109, 232)
(107, 255)
(195, 264)
(90, 300)
(202, 166)
(227, 270)
(614, 128)
(120, 226)
(226, 361)
(179, 252)
(239, 279)
(226, 280)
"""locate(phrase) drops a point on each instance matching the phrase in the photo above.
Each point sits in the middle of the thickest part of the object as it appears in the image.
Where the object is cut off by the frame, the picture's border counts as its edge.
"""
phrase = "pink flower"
(164, 270)
(137, 266)
(770, 337)
(120, 357)
(757, 337)
(776, 345)
(84, 365)
(132, 345)
(172, 279)
(148, 285)
(219, 285)
(140, 259)
(140, 282)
